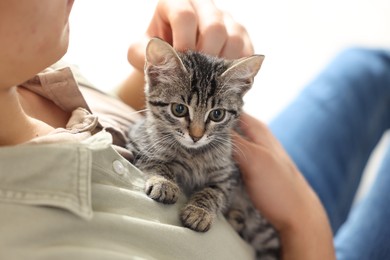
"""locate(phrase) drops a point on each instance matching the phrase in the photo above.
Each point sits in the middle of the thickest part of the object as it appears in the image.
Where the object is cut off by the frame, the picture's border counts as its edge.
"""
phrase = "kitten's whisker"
(238, 150)
(222, 139)
(222, 143)
(139, 111)
(163, 148)
(143, 110)
(158, 147)
(161, 145)
(242, 122)
(148, 154)
(235, 147)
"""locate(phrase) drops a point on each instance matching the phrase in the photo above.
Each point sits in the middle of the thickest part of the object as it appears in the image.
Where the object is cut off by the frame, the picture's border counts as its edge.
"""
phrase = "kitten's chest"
(198, 172)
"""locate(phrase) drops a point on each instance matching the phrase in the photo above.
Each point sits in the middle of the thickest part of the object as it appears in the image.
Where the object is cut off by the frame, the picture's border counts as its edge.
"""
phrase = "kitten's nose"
(195, 138)
(196, 131)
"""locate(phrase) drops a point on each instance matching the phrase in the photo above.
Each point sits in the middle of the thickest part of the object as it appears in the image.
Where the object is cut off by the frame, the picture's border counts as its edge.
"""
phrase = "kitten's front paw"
(162, 190)
(196, 218)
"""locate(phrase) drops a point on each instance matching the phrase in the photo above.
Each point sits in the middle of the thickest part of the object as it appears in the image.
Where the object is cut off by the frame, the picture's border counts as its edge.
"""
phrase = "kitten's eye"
(179, 110)
(217, 115)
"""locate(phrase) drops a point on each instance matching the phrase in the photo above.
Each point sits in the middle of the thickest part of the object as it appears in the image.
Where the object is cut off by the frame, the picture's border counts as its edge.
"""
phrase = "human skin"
(34, 34)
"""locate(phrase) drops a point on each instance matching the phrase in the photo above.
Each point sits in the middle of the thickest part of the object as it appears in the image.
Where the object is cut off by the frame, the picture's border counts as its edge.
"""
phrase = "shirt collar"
(60, 86)
(47, 175)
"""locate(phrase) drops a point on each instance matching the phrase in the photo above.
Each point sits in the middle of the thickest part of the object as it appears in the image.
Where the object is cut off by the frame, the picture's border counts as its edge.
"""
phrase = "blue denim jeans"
(330, 130)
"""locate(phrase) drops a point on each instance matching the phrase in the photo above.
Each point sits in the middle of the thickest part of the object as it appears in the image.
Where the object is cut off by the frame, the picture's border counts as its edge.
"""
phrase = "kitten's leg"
(161, 186)
(202, 208)
(236, 219)
(162, 190)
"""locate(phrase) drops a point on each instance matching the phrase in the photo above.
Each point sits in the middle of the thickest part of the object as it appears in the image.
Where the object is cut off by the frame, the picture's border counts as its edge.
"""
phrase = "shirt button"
(119, 168)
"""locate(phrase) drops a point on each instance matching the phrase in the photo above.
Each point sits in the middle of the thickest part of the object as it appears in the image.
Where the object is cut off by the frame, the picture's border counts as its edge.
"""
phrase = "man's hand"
(280, 192)
(195, 25)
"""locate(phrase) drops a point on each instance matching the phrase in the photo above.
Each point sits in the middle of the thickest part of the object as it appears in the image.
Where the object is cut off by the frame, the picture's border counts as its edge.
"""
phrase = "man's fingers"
(181, 19)
(136, 53)
(238, 43)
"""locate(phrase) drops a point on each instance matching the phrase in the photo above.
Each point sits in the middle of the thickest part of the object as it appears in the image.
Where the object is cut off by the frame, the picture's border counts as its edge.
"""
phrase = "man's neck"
(16, 126)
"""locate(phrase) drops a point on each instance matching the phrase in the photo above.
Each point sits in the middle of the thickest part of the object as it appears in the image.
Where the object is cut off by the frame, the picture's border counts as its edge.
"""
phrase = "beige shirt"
(72, 195)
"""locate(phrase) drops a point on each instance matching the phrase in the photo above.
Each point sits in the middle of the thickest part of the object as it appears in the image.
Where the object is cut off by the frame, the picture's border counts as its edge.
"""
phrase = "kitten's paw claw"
(162, 190)
(196, 218)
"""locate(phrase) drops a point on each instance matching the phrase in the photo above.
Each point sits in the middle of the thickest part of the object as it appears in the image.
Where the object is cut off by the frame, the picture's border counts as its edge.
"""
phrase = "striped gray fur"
(183, 144)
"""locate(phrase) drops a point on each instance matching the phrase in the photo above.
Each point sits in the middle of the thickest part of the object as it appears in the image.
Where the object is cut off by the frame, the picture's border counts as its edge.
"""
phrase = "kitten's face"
(198, 126)
(194, 122)
(194, 98)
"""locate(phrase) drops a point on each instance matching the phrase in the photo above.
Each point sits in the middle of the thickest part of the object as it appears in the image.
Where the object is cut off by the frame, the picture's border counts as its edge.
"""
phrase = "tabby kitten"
(184, 143)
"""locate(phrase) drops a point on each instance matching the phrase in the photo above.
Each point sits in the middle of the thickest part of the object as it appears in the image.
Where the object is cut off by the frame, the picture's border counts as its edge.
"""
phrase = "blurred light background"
(297, 37)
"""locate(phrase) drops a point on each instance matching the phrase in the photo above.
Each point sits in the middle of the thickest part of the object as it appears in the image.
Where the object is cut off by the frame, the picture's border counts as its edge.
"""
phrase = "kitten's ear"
(241, 72)
(160, 54)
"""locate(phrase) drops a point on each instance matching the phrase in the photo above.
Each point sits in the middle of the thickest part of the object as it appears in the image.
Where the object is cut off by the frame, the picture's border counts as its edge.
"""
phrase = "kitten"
(184, 143)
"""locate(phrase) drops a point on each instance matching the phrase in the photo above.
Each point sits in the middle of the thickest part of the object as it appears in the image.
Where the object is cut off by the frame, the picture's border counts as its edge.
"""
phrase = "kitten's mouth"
(192, 144)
